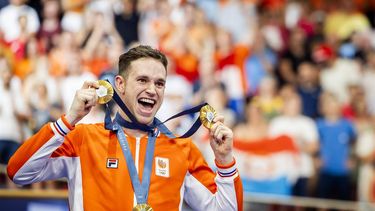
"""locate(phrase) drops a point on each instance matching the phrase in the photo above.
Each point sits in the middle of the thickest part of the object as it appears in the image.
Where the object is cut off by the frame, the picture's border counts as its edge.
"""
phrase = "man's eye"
(160, 84)
(142, 80)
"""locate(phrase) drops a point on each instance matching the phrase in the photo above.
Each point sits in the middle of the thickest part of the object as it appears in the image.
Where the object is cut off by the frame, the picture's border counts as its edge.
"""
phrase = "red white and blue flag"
(267, 166)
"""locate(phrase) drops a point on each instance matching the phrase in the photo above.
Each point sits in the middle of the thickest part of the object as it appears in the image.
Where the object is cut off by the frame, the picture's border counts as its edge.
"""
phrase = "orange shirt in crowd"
(97, 65)
(75, 5)
(187, 66)
(236, 57)
(58, 64)
(23, 68)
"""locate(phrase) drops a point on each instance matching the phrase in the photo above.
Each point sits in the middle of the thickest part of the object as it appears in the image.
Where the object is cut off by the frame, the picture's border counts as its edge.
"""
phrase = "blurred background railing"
(58, 200)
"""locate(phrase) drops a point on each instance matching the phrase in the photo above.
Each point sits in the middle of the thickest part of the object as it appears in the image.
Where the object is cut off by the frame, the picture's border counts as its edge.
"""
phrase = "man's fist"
(84, 99)
(221, 141)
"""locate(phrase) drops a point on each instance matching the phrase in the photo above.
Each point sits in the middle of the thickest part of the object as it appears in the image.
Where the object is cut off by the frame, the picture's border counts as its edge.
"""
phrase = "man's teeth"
(145, 100)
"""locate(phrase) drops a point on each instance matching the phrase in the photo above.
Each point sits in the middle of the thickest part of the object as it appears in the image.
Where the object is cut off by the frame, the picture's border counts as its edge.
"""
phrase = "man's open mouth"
(147, 103)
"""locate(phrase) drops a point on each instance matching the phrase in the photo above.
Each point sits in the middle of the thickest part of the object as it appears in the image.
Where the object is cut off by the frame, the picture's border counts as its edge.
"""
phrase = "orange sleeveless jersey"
(91, 159)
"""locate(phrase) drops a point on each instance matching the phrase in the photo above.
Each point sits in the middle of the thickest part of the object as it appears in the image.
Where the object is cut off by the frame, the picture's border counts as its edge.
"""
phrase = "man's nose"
(151, 89)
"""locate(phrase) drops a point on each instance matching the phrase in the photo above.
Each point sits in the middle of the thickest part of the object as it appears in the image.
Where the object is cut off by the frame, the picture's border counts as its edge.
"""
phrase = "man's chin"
(145, 117)
(145, 120)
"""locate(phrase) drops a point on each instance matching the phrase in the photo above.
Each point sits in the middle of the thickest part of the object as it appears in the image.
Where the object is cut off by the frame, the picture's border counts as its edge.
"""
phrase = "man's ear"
(120, 84)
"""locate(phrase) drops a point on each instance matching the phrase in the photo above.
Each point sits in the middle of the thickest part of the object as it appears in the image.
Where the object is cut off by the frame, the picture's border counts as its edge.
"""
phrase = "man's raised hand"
(84, 99)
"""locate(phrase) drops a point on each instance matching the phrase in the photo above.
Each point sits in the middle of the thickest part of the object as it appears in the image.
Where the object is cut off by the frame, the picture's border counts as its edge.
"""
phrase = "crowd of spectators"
(294, 79)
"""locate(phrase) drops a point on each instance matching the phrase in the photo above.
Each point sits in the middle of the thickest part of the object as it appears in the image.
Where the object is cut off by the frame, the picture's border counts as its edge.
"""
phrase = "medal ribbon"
(161, 126)
(141, 189)
(134, 124)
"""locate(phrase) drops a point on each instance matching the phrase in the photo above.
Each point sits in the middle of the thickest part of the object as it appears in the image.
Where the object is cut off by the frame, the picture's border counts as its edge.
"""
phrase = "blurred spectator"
(304, 134)
(298, 14)
(148, 23)
(293, 13)
(229, 59)
(271, 24)
(99, 39)
(60, 55)
(40, 73)
(309, 89)
(187, 64)
(162, 27)
(261, 62)
(11, 20)
(42, 110)
(113, 52)
(107, 8)
(336, 136)
(231, 16)
(51, 26)
(127, 21)
(72, 20)
(200, 33)
(365, 147)
(337, 77)
(24, 66)
(355, 93)
(323, 55)
(13, 112)
(269, 101)
(296, 53)
(368, 79)
(341, 23)
(255, 126)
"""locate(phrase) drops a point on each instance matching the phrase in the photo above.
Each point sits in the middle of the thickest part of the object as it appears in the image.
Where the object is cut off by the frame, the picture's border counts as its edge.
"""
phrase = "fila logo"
(112, 163)
(162, 167)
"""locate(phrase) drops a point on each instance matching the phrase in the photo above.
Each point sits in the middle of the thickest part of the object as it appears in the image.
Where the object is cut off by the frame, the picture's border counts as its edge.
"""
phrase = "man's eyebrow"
(148, 78)
(161, 80)
(143, 77)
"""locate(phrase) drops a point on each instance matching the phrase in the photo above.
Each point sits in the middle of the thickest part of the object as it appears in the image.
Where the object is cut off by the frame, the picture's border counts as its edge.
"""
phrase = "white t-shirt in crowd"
(337, 78)
(11, 101)
(368, 84)
(365, 146)
(302, 130)
(9, 21)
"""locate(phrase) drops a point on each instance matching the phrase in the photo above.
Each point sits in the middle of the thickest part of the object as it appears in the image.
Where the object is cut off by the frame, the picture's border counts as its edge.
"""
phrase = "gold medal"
(142, 207)
(207, 115)
(104, 92)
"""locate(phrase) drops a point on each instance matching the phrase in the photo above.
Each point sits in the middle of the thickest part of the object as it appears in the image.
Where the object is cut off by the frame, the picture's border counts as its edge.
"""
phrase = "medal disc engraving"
(104, 92)
(207, 115)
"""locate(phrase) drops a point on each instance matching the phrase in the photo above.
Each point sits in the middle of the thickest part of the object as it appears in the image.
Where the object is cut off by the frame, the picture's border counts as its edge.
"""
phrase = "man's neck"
(135, 133)
(132, 132)
(123, 115)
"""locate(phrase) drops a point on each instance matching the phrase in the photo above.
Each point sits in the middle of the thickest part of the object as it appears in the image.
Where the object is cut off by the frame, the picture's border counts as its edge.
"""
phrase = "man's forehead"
(146, 61)
(148, 67)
